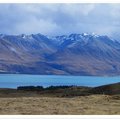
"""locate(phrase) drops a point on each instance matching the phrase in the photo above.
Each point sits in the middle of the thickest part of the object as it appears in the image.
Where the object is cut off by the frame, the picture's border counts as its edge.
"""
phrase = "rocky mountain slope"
(75, 54)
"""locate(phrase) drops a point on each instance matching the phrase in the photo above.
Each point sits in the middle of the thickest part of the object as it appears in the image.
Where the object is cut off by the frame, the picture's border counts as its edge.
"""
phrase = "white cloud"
(53, 19)
(82, 9)
(39, 25)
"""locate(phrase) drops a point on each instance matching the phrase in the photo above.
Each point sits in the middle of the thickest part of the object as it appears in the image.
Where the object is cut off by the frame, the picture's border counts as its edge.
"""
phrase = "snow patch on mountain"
(14, 50)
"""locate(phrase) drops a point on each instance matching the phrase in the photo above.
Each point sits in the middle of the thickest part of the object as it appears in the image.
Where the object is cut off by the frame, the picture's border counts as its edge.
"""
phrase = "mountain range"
(75, 54)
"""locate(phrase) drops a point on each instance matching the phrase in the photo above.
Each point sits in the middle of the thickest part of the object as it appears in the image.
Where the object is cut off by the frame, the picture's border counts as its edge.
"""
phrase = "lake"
(15, 80)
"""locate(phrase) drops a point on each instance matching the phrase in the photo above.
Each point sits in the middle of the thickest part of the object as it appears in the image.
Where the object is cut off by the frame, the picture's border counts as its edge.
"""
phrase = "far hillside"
(107, 89)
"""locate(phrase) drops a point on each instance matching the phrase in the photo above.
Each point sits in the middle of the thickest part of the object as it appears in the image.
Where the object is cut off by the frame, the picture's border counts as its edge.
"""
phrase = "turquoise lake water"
(15, 80)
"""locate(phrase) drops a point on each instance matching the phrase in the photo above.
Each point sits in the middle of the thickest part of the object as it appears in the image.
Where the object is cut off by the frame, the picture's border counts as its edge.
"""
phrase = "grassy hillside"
(110, 89)
(62, 100)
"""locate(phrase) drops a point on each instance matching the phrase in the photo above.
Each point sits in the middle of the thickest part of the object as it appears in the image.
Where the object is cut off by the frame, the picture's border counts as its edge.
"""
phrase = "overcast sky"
(58, 19)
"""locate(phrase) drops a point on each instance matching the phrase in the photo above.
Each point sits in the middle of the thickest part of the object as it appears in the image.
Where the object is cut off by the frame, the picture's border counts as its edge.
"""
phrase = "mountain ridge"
(74, 54)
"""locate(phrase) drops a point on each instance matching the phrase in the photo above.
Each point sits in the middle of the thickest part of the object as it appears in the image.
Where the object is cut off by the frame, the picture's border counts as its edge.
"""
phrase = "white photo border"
(60, 117)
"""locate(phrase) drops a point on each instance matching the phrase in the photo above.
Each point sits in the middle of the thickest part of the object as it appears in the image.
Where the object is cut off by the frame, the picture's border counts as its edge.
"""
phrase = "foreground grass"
(62, 100)
(81, 105)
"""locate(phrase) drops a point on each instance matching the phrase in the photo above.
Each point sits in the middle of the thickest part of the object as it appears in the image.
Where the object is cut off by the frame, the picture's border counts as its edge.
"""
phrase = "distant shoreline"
(59, 75)
(61, 91)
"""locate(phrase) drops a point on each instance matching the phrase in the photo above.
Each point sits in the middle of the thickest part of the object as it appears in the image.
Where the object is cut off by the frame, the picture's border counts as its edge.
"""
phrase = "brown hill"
(110, 89)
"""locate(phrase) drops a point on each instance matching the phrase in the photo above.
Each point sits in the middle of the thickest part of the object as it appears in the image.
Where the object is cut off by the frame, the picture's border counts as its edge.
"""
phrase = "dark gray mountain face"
(75, 54)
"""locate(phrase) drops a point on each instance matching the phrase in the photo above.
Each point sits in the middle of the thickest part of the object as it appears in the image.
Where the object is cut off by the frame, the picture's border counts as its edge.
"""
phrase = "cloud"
(82, 9)
(33, 25)
(57, 19)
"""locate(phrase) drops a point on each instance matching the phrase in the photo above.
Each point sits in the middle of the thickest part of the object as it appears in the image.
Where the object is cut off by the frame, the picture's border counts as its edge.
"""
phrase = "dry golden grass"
(82, 105)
